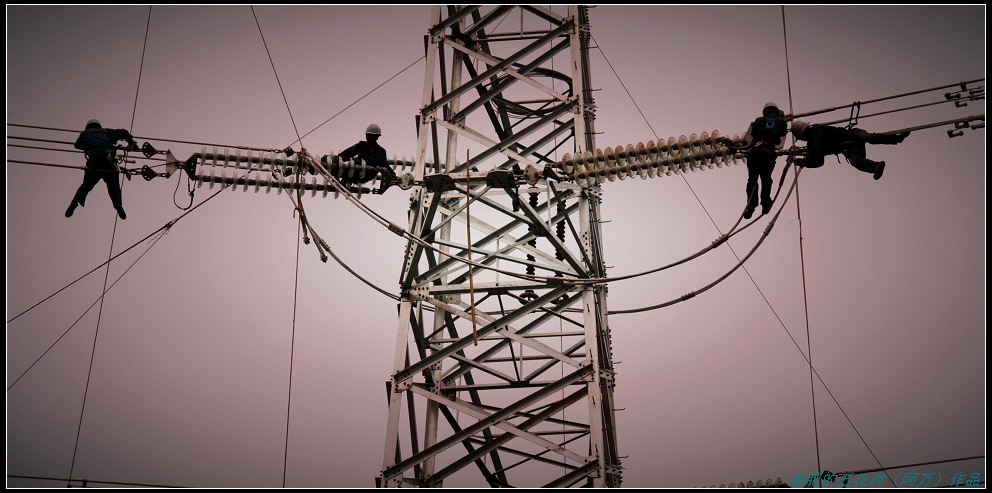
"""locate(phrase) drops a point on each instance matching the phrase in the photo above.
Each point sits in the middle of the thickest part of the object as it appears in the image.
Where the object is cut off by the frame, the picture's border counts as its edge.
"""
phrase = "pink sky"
(190, 372)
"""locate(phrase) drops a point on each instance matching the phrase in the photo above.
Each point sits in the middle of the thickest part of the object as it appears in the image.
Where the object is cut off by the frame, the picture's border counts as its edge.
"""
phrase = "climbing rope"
(809, 359)
(110, 254)
(802, 262)
(468, 241)
(165, 227)
(163, 231)
(358, 100)
(299, 229)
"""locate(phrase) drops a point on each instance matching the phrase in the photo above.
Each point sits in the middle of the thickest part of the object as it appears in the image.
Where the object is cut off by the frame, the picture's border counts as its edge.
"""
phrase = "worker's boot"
(120, 211)
(71, 209)
(879, 168)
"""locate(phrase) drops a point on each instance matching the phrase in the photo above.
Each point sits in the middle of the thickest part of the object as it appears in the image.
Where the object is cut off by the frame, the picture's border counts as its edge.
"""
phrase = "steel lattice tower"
(508, 375)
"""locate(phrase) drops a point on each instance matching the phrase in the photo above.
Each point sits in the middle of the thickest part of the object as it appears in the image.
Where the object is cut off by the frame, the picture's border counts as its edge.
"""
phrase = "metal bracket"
(439, 183)
(419, 293)
(402, 386)
(500, 179)
(148, 150)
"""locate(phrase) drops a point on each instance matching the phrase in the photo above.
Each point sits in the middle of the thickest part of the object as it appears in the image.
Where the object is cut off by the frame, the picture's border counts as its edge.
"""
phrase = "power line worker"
(373, 155)
(825, 139)
(765, 136)
(99, 146)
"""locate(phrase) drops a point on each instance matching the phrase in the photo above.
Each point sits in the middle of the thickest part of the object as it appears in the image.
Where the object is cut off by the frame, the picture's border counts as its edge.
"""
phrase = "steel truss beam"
(484, 368)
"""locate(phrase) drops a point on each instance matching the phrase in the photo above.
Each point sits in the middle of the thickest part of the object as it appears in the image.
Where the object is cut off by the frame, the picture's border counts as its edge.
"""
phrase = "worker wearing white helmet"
(373, 155)
(100, 147)
(764, 137)
(825, 139)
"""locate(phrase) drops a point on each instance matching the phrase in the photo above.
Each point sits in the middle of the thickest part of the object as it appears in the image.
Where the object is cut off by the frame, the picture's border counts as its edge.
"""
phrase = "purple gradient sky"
(190, 371)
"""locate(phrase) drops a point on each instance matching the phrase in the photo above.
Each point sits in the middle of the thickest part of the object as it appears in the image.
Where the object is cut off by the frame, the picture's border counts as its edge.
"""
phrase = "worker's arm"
(119, 134)
(747, 139)
(785, 130)
(378, 157)
(349, 153)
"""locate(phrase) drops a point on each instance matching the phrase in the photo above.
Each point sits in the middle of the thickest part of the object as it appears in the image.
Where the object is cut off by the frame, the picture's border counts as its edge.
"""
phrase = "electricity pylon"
(503, 363)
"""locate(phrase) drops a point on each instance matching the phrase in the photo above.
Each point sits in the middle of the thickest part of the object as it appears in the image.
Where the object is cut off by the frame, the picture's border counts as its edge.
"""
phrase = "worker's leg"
(114, 190)
(887, 139)
(90, 178)
(753, 173)
(856, 155)
(766, 185)
(859, 135)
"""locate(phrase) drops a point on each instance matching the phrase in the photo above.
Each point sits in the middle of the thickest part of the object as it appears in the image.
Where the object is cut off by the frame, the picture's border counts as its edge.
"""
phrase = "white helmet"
(798, 127)
(94, 123)
(769, 105)
(373, 130)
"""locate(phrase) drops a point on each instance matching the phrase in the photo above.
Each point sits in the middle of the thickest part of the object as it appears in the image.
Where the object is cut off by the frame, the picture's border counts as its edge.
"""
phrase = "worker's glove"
(133, 147)
(800, 162)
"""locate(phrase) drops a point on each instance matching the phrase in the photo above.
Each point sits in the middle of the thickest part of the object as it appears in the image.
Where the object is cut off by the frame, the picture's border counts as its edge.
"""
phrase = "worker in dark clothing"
(99, 146)
(825, 139)
(764, 137)
(373, 155)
